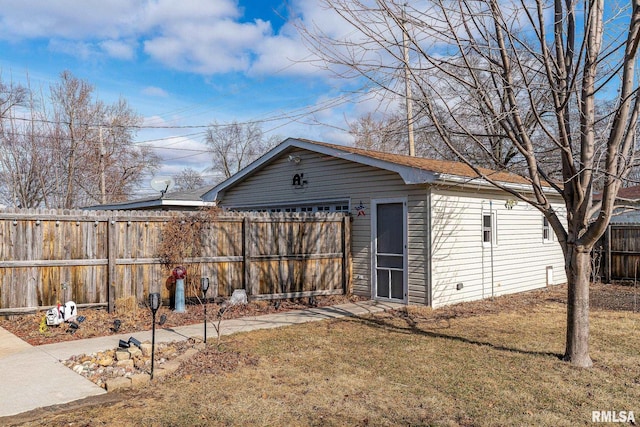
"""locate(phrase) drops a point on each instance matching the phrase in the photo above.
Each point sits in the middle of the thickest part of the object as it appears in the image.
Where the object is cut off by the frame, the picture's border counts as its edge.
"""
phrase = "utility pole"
(407, 84)
(103, 187)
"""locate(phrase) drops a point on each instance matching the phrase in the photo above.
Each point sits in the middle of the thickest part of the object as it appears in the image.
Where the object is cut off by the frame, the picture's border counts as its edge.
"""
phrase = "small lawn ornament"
(69, 311)
(179, 273)
(55, 316)
(62, 313)
(239, 296)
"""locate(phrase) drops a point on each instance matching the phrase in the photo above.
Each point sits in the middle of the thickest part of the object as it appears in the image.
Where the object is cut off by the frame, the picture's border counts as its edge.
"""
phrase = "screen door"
(389, 257)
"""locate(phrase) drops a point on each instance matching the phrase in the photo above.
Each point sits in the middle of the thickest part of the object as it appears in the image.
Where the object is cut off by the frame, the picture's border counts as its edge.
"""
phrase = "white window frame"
(546, 229)
(493, 229)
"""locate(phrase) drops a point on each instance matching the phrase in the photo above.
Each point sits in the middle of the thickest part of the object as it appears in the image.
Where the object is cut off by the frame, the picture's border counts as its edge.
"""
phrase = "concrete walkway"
(33, 377)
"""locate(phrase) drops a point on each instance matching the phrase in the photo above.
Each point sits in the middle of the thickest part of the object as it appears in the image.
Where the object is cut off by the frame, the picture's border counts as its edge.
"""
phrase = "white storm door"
(389, 249)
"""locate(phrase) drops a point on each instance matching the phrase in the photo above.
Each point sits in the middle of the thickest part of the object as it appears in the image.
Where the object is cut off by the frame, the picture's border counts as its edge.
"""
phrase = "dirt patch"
(615, 297)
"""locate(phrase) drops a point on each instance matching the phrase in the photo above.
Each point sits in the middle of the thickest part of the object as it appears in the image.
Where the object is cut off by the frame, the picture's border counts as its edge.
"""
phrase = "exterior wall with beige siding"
(517, 262)
(444, 227)
(330, 178)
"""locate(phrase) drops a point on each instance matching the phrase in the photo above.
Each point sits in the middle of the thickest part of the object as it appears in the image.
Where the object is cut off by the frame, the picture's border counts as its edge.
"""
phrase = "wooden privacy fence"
(616, 256)
(97, 257)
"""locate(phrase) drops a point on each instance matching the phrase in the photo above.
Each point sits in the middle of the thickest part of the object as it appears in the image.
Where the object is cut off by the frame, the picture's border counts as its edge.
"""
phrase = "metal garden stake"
(204, 284)
(154, 304)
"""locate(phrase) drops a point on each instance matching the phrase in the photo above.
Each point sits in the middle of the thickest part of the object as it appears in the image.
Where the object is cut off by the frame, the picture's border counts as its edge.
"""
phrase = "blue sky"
(183, 63)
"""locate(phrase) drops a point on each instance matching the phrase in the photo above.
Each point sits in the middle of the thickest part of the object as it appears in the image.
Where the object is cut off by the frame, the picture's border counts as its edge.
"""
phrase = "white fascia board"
(408, 174)
(483, 183)
(199, 203)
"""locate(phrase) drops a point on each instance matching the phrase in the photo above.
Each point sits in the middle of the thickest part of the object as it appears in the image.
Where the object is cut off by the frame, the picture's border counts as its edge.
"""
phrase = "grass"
(414, 367)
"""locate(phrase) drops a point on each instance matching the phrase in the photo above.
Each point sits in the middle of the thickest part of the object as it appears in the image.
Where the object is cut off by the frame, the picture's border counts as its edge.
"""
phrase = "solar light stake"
(154, 304)
(204, 284)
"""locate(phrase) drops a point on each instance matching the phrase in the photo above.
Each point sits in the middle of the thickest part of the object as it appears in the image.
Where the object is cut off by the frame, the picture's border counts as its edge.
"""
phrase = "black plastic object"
(116, 325)
(73, 327)
(81, 319)
(163, 319)
(135, 342)
(123, 344)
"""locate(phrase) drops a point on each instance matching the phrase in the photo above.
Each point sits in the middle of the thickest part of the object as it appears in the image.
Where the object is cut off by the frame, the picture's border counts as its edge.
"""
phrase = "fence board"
(617, 254)
(97, 257)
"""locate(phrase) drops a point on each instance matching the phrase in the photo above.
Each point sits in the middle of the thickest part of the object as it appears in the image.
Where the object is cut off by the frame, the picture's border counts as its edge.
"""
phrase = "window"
(546, 230)
(487, 228)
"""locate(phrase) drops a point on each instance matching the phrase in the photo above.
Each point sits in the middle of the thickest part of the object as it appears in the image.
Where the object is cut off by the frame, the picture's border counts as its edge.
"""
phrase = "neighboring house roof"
(413, 170)
(629, 193)
(630, 198)
(175, 200)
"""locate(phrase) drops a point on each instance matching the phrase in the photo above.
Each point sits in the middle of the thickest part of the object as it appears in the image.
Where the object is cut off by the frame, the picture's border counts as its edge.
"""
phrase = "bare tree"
(386, 133)
(188, 179)
(235, 145)
(11, 96)
(531, 73)
(93, 146)
(69, 149)
(20, 175)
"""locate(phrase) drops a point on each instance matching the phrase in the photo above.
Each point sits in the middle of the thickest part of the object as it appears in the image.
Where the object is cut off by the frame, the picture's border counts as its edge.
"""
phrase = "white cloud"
(208, 49)
(67, 19)
(118, 49)
(78, 49)
(201, 36)
(155, 91)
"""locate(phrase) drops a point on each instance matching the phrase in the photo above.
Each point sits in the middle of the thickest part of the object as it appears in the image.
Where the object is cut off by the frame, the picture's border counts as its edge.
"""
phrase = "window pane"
(389, 234)
(396, 284)
(486, 228)
(383, 283)
(390, 261)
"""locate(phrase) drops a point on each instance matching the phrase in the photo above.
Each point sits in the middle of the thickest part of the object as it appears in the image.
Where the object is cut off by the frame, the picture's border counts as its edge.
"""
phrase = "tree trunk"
(577, 346)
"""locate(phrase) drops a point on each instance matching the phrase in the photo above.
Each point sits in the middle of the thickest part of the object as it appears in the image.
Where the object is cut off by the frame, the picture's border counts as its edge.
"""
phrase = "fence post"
(346, 254)
(112, 252)
(607, 254)
(246, 256)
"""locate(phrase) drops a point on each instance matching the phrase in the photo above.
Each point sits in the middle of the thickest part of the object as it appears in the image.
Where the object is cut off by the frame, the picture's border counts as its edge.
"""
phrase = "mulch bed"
(99, 322)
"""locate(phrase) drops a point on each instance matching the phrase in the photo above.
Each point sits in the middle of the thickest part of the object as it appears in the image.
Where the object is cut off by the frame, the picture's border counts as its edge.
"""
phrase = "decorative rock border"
(125, 368)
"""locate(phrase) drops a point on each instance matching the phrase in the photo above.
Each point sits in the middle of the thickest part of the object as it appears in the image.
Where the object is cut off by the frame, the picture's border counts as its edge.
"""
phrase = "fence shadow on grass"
(412, 327)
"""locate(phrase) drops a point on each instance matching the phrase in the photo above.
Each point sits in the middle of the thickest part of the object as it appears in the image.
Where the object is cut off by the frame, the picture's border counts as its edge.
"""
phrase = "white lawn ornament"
(69, 311)
(62, 313)
(239, 296)
(55, 316)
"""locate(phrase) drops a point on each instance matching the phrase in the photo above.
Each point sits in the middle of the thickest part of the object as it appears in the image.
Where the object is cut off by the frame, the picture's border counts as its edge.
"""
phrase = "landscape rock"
(119, 383)
(139, 380)
(107, 361)
(132, 366)
(146, 349)
(135, 352)
(123, 355)
(127, 363)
